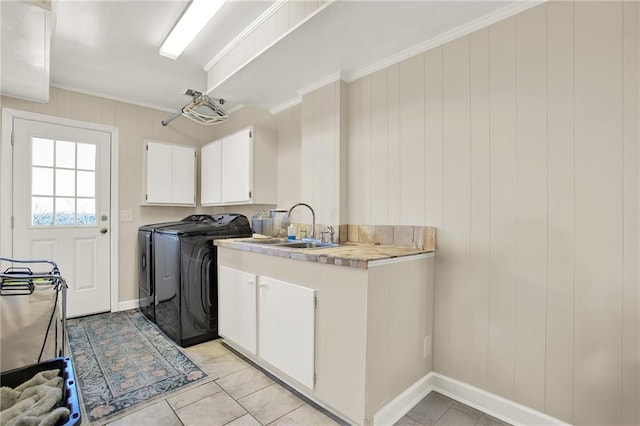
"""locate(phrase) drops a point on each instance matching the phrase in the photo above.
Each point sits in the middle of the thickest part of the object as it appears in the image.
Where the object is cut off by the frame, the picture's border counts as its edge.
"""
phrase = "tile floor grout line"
(442, 415)
(288, 387)
(174, 411)
(255, 391)
(241, 415)
(287, 413)
(198, 400)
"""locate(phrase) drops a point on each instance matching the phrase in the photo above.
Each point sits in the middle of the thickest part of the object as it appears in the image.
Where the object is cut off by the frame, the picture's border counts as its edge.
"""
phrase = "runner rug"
(123, 360)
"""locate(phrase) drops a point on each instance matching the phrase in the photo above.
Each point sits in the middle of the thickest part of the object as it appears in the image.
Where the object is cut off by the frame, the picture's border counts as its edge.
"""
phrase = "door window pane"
(86, 211)
(86, 156)
(41, 181)
(86, 184)
(42, 211)
(66, 154)
(42, 152)
(65, 182)
(65, 211)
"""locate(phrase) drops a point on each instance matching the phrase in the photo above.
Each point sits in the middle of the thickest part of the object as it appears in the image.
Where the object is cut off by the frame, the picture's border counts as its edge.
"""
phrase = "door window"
(63, 183)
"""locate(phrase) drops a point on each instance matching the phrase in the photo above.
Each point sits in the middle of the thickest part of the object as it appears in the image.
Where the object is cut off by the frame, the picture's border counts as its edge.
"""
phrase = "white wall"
(323, 154)
(135, 124)
(519, 143)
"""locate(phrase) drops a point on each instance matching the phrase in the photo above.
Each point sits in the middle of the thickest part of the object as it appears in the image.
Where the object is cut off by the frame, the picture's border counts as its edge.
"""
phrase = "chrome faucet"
(313, 218)
(328, 231)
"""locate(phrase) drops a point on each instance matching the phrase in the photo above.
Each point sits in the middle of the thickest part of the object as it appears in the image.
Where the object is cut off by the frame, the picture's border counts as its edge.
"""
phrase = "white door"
(61, 202)
(237, 307)
(236, 167)
(159, 162)
(183, 175)
(210, 173)
(287, 328)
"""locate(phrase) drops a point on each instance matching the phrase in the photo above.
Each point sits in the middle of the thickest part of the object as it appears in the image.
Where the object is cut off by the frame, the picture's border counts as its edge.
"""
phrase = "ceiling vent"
(203, 109)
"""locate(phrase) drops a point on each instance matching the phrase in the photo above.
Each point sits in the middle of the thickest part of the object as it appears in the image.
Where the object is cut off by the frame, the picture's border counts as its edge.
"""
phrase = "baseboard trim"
(127, 304)
(494, 405)
(400, 405)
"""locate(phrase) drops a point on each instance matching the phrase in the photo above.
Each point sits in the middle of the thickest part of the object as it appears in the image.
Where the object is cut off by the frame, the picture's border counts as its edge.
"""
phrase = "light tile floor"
(242, 395)
(437, 409)
(238, 395)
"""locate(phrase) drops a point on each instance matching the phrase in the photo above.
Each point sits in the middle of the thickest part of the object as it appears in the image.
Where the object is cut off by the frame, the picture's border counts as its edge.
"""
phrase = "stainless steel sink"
(285, 243)
(307, 244)
(267, 241)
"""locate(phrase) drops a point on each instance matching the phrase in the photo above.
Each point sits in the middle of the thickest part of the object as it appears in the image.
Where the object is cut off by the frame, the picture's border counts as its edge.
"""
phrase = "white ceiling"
(110, 48)
(349, 39)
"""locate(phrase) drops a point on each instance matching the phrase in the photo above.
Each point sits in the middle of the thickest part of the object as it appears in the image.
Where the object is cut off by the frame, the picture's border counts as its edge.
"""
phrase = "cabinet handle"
(251, 282)
(264, 286)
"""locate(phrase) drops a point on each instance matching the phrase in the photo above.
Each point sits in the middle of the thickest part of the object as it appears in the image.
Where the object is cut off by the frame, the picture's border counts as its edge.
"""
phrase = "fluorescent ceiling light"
(189, 26)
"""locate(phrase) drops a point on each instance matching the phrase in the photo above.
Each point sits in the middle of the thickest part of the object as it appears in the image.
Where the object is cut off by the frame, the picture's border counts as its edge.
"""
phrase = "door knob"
(103, 230)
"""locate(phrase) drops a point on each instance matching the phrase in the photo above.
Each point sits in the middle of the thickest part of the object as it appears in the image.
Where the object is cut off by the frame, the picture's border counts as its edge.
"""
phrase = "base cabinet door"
(287, 328)
(237, 307)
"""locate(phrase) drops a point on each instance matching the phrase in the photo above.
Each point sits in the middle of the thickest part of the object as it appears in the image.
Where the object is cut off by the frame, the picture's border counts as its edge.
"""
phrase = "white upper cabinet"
(211, 165)
(170, 172)
(240, 169)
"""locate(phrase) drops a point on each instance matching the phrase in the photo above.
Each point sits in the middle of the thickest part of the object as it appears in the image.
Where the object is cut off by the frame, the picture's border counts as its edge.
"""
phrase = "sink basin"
(267, 241)
(307, 244)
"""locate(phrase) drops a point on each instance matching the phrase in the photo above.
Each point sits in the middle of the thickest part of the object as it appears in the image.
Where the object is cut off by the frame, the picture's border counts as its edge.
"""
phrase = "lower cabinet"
(365, 333)
(276, 321)
(237, 307)
(287, 328)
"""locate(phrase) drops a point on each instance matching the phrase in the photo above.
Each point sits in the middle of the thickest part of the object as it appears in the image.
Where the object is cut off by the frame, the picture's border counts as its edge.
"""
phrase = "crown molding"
(286, 105)
(462, 30)
(251, 28)
(109, 97)
(336, 76)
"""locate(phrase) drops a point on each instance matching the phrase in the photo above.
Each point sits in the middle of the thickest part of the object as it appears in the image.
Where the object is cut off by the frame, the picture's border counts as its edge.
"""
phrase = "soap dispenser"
(291, 232)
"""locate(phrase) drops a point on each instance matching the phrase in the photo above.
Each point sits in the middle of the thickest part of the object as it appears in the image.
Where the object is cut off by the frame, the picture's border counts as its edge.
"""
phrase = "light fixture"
(189, 26)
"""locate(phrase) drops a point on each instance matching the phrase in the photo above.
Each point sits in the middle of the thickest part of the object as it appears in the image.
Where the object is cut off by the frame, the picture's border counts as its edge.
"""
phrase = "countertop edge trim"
(374, 263)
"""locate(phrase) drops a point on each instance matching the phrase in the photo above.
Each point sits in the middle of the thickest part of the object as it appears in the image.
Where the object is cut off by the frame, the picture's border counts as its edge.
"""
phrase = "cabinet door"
(183, 175)
(237, 307)
(287, 328)
(211, 173)
(159, 164)
(236, 167)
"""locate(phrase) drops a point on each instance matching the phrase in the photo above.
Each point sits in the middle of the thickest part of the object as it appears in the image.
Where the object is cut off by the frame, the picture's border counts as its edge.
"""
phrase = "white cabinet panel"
(287, 328)
(237, 307)
(183, 172)
(170, 174)
(240, 168)
(236, 168)
(159, 163)
(211, 173)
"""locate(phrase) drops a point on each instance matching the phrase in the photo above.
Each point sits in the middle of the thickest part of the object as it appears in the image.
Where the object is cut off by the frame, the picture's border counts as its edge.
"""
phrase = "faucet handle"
(303, 234)
(330, 231)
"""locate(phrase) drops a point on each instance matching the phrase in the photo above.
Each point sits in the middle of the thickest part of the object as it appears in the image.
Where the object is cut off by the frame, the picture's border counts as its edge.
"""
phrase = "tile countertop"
(354, 255)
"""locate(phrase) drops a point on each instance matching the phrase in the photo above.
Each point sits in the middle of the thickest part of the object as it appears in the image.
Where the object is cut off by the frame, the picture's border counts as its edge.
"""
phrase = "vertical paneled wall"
(520, 143)
(289, 164)
(134, 124)
(322, 155)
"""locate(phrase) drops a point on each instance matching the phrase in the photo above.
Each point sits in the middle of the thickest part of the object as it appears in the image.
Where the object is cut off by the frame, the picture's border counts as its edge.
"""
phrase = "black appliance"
(186, 276)
(146, 288)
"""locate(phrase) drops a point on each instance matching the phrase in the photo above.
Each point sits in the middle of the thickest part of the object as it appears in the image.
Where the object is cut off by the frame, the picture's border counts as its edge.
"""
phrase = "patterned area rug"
(122, 360)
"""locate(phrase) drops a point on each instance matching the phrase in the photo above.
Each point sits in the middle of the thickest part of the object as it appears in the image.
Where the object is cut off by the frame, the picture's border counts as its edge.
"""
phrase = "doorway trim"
(6, 173)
